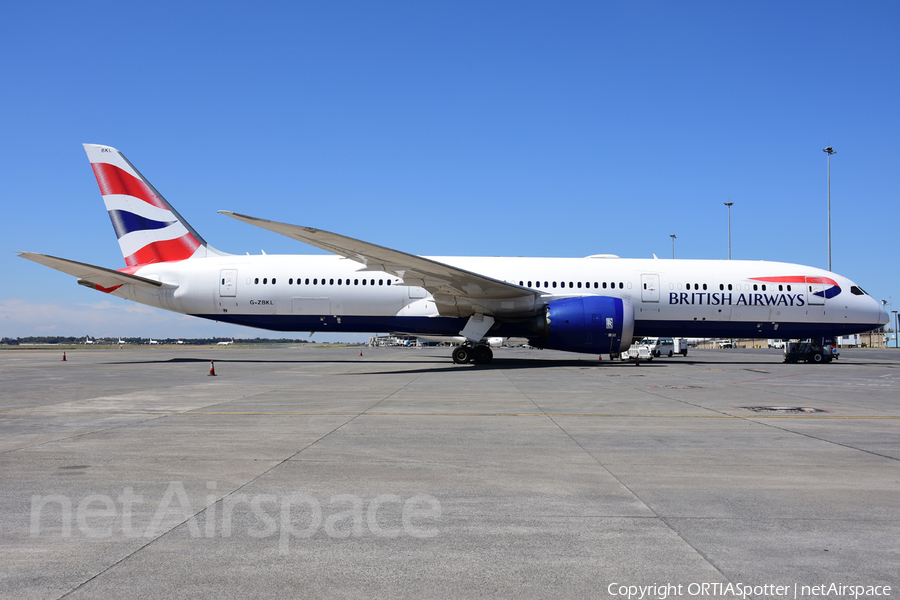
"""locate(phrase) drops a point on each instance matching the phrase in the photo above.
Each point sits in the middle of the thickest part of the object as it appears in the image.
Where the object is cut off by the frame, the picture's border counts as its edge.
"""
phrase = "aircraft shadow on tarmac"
(428, 366)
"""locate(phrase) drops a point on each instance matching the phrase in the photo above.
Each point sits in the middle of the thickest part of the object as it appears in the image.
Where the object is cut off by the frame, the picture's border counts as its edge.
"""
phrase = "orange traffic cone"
(64, 357)
(212, 368)
(360, 352)
(601, 358)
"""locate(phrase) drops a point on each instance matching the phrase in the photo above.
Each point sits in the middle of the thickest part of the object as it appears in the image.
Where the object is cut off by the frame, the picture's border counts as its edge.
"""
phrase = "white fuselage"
(705, 298)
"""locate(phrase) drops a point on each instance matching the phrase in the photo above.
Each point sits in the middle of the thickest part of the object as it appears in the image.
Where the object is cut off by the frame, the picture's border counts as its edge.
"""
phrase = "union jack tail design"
(148, 228)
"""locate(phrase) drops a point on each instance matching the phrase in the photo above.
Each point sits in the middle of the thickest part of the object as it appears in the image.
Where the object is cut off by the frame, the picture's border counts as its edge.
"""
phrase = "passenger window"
(273, 281)
(789, 288)
(729, 287)
(521, 283)
(364, 282)
(595, 285)
(223, 282)
(291, 281)
(780, 288)
(380, 282)
(356, 282)
(754, 287)
(389, 282)
(331, 282)
(570, 284)
(579, 285)
(604, 285)
(554, 284)
(339, 282)
(371, 282)
(546, 284)
(621, 285)
(763, 287)
(315, 282)
(307, 281)
(721, 286)
(704, 286)
(256, 281)
(264, 280)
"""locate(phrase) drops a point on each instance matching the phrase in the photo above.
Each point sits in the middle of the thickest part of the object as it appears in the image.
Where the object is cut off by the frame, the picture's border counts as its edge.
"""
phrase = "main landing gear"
(480, 355)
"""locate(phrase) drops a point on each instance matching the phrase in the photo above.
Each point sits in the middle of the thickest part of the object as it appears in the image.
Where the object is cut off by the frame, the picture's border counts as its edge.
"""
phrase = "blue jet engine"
(591, 324)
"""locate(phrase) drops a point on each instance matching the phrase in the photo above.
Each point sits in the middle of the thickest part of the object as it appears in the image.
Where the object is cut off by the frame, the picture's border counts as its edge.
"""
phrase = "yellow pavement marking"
(446, 414)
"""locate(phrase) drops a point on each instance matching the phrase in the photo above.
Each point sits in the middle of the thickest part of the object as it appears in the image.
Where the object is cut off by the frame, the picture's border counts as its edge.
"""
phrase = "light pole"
(672, 235)
(829, 151)
(729, 205)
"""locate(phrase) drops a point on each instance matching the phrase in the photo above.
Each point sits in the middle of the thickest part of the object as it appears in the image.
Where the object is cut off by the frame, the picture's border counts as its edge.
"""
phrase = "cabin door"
(650, 288)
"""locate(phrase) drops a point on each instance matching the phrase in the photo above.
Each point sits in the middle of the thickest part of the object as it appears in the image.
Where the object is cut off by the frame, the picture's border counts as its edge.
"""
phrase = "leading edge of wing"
(436, 277)
(99, 278)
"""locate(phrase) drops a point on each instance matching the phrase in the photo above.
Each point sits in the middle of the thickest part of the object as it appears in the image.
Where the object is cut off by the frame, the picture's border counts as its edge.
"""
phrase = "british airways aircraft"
(596, 304)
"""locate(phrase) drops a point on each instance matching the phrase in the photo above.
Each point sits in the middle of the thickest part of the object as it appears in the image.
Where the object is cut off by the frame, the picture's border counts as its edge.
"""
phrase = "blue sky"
(504, 128)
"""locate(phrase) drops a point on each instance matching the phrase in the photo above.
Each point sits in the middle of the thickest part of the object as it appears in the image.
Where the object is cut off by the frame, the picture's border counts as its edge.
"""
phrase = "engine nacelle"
(591, 324)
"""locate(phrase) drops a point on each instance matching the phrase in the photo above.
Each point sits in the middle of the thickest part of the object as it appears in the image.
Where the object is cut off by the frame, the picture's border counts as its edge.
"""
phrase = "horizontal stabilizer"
(100, 278)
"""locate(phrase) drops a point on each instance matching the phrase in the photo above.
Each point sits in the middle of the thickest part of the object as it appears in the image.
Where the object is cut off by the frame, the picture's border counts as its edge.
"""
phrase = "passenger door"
(650, 287)
(815, 291)
(227, 291)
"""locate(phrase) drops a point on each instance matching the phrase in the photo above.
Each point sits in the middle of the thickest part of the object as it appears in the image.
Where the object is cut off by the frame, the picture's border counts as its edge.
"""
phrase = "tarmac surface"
(310, 472)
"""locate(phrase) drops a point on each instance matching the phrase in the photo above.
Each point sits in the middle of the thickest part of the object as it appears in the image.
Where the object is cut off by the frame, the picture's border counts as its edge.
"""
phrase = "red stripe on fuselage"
(180, 248)
(795, 279)
(113, 180)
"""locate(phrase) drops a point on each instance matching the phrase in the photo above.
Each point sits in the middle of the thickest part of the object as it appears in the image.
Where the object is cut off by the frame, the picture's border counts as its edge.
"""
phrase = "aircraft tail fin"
(148, 228)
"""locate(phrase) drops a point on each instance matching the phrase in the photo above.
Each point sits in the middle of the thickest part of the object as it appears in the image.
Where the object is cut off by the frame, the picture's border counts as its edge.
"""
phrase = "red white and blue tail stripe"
(148, 228)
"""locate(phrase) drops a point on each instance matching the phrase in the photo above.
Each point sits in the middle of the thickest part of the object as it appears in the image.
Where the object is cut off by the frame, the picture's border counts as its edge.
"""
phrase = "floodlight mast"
(672, 235)
(829, 151)
(729, 205)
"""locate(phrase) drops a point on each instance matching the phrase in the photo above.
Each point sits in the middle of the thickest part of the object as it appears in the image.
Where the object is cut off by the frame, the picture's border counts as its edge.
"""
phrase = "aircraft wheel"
(462, 355)
(482, 355)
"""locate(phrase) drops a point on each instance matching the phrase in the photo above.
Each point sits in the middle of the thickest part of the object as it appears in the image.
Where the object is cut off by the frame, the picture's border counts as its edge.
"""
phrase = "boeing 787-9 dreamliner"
(596, 304)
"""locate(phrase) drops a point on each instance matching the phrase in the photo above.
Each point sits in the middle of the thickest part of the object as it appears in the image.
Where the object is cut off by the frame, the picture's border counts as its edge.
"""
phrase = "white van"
(659, 346)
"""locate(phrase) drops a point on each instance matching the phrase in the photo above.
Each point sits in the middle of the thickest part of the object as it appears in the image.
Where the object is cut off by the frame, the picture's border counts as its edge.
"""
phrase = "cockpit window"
(857, 291)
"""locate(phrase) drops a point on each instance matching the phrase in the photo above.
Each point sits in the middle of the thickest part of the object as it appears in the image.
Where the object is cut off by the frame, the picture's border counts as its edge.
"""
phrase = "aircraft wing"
(99, 278)
(449, 285)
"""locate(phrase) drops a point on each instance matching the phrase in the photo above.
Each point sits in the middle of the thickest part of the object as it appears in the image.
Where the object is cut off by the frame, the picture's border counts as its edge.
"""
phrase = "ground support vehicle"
(808, 351)
(636, 352)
